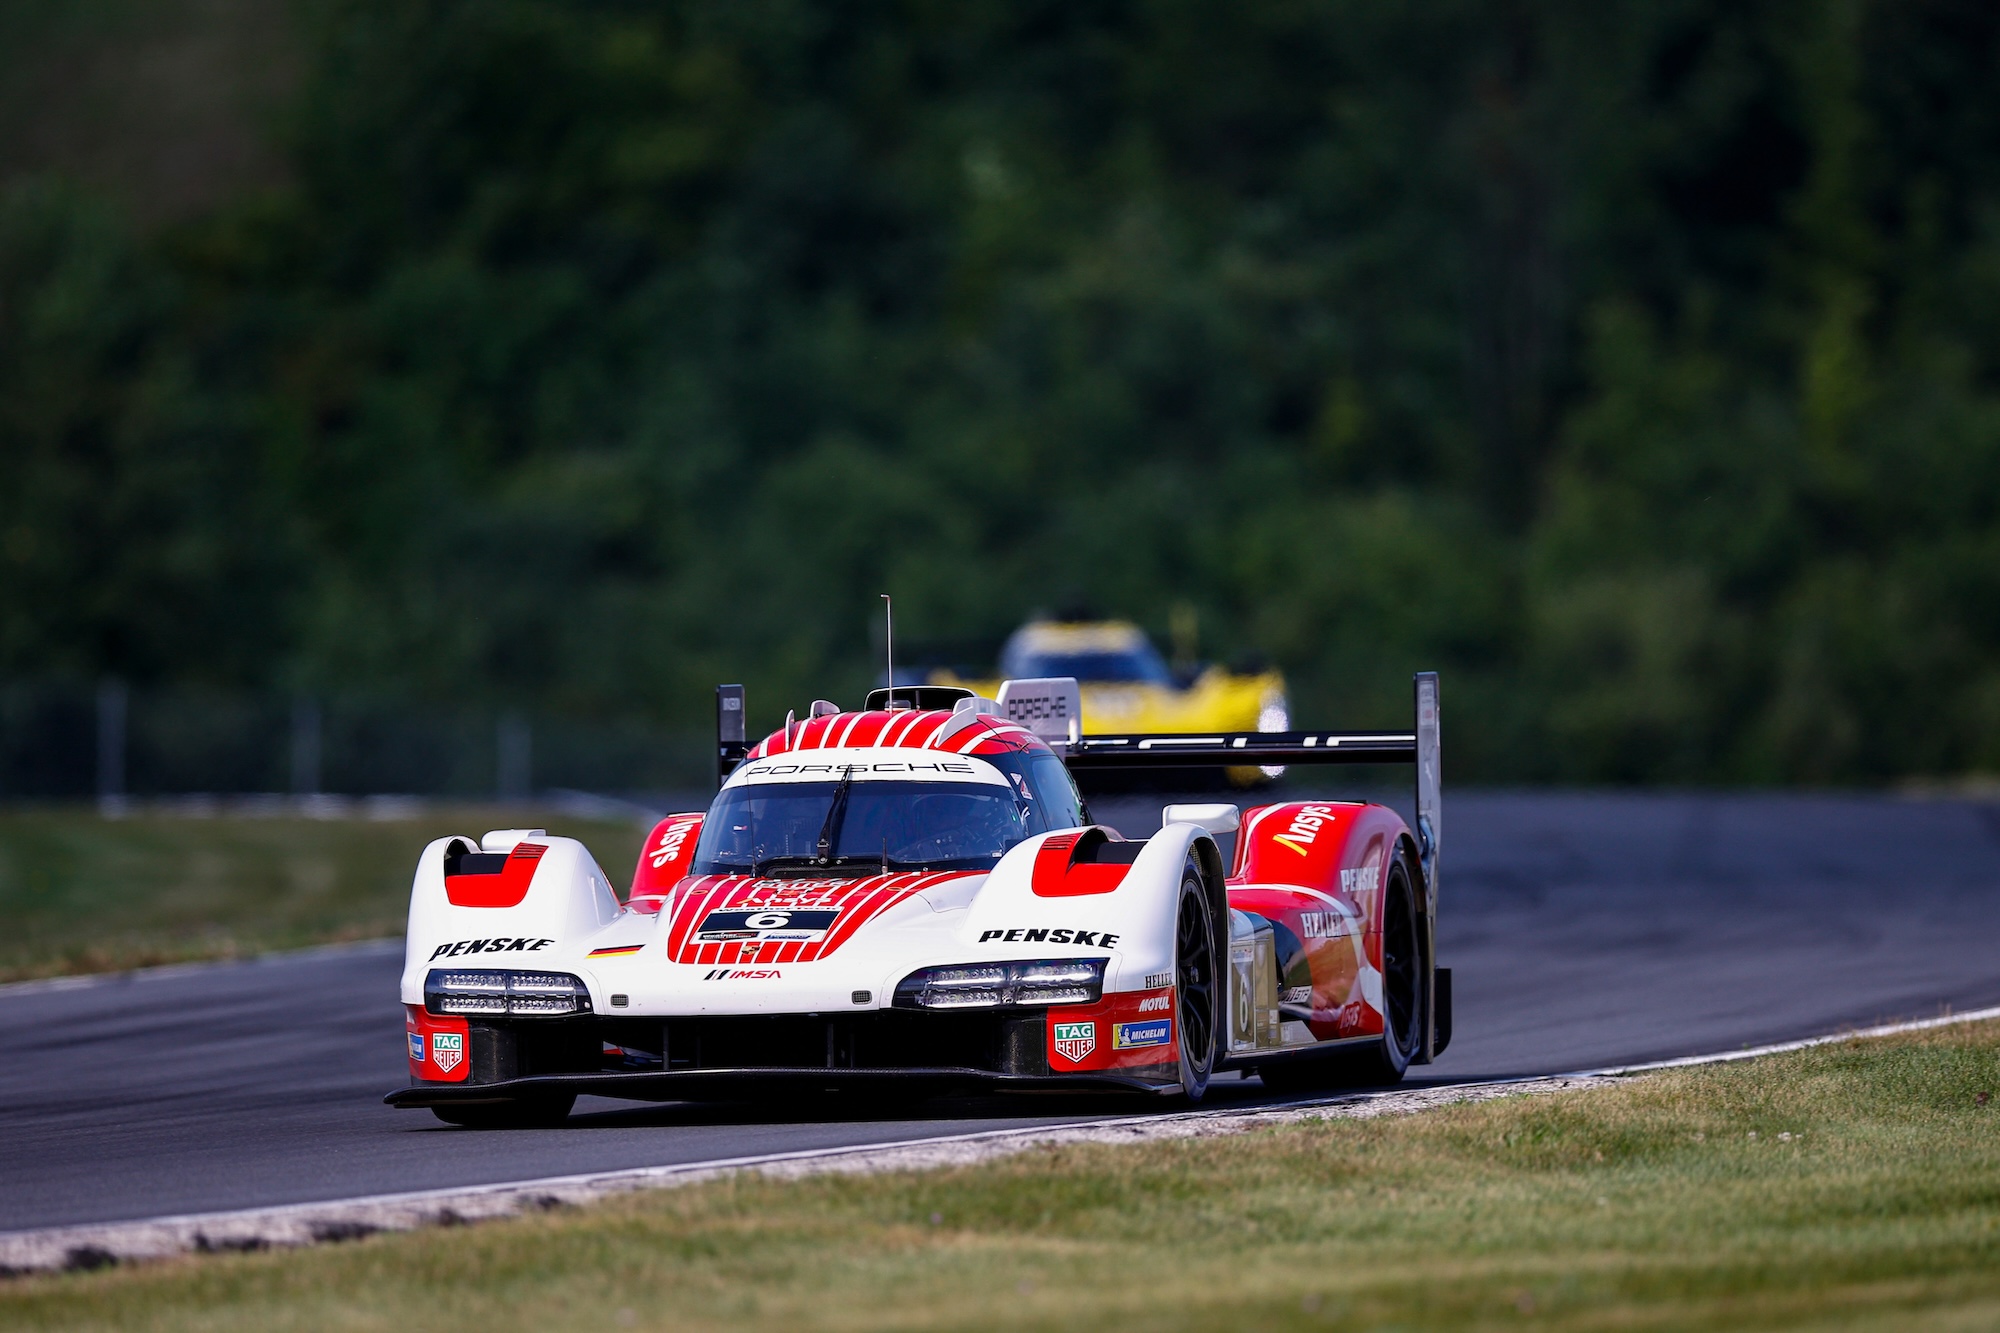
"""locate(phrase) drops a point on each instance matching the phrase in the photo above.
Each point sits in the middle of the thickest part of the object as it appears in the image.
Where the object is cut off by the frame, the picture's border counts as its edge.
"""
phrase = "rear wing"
(1419, 746)
(732, 731)
(1051, 709)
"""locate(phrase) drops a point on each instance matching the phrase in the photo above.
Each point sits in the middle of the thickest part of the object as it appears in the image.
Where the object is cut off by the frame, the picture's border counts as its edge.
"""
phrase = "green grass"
(79, 893)
(1854, 1186)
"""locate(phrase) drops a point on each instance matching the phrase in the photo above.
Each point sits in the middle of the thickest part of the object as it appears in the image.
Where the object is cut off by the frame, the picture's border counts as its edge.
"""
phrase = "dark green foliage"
(1632, 363)
(141, 525)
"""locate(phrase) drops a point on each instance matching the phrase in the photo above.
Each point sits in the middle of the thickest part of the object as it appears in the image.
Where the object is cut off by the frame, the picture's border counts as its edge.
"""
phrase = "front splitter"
(732, 1084)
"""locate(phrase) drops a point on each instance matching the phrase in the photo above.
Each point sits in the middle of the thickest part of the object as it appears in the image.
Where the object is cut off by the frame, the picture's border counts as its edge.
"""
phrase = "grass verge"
(1852, 1186)
(79, 893)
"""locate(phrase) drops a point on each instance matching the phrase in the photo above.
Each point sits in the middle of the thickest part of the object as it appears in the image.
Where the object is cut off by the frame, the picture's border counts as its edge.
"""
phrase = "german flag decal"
(616, 951)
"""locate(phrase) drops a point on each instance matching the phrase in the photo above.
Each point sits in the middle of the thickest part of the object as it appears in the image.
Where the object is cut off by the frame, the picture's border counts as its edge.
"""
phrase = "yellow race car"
(1127, 688)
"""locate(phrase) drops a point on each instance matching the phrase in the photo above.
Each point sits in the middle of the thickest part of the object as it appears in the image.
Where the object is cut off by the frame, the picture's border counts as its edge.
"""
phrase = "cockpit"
(832, 815)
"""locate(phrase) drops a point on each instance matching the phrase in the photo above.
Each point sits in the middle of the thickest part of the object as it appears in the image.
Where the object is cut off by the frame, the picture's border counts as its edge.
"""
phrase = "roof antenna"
(889, 642)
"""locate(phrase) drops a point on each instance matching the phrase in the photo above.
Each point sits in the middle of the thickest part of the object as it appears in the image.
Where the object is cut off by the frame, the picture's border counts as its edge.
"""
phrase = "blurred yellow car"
(1128, 689)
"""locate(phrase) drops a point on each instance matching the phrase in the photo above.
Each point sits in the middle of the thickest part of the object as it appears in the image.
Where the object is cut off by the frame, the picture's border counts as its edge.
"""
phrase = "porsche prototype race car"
(915, 895)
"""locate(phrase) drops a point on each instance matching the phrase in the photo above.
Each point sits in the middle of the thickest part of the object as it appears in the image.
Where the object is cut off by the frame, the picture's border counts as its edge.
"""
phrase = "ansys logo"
(1075, 1040)
(1305, 827)
(671, 839)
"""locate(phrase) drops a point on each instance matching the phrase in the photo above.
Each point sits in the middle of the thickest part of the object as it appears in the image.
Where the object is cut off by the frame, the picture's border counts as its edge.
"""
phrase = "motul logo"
(1305, 827)
(1156, 1004)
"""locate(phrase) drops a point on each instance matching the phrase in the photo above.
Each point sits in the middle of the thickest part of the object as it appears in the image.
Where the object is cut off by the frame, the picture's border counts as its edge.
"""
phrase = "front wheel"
(519, 1113)
(1197, 982)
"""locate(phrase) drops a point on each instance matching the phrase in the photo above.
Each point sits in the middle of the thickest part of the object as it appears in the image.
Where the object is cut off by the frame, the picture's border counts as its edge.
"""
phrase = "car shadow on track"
(833, 1108)
(937, 1114)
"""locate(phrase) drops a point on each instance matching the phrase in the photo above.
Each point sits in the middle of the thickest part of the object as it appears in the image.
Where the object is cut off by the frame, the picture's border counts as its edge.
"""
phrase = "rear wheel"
(1197, 989)
(1386, 1059)
(519, 1113)
(1402, 976)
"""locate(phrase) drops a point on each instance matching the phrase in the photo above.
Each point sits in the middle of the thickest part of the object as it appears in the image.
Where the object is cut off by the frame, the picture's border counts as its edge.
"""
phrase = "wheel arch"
(1215, 876)
(1214, 896)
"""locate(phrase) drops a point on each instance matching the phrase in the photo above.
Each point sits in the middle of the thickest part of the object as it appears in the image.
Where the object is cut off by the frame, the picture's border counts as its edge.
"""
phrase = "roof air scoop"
(964, 713)
(927, 697)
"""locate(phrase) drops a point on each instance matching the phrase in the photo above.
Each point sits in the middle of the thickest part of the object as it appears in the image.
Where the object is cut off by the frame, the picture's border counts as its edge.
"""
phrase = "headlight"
(994, 985)
(504, 993)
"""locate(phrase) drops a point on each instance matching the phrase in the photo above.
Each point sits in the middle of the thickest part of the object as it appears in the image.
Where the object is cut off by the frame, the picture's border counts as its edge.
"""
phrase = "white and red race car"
(916, 894)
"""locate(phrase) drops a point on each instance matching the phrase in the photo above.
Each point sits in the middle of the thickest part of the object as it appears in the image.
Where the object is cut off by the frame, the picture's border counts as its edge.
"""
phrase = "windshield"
(811, 827)
(1127, 664)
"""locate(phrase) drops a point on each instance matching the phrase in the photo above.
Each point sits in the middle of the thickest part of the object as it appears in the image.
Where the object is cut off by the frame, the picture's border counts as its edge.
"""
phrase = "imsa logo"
(1074, 1041)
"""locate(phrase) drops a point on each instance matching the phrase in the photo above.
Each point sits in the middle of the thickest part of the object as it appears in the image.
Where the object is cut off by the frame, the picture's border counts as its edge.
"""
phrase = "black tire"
(1402, 975)
(1386, 1059)
(521, 1113)
(1197, 984)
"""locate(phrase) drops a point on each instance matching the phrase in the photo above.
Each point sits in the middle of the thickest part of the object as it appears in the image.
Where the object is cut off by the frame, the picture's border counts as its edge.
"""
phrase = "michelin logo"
(1157, 1032)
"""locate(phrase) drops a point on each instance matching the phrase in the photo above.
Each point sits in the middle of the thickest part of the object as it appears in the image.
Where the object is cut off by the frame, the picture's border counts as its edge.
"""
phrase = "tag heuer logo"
(447, 1049)
(1074, 1041)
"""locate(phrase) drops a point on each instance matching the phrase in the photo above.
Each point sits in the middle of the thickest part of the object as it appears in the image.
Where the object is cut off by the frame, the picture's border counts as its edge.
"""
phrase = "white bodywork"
(963, 919)
(581, 905)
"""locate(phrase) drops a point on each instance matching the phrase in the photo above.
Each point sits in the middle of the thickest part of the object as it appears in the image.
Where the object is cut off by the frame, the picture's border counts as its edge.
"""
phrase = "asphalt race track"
(1584, 930)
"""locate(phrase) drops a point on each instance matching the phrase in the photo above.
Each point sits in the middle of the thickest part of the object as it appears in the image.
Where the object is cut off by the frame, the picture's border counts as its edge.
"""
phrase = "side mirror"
(1217, 818)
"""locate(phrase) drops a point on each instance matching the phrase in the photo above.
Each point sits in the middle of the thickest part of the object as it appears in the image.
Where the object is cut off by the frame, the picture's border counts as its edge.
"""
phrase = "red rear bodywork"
(1316, 870)
(665, 861)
